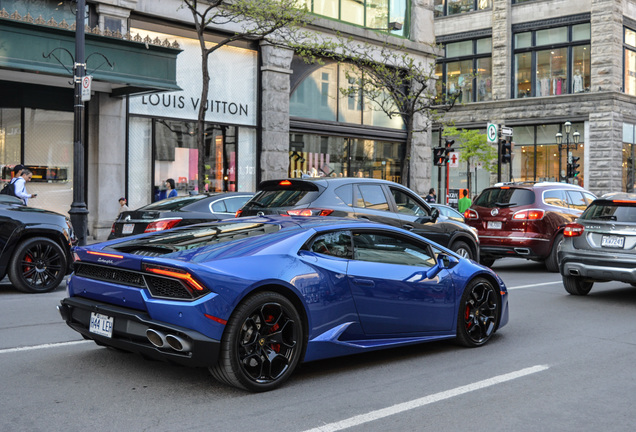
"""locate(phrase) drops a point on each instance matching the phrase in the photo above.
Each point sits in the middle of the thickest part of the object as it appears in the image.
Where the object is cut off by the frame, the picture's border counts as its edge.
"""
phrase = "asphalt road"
(563, 363)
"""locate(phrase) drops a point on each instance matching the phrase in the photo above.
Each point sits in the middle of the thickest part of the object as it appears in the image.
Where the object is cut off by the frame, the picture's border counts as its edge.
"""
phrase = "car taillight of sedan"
(471, 214)
(310, 212)
(160, 225)
(573, 230)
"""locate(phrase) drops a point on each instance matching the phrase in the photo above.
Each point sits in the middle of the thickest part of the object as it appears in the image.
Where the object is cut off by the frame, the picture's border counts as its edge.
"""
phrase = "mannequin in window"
(577, 82)
(545, 85)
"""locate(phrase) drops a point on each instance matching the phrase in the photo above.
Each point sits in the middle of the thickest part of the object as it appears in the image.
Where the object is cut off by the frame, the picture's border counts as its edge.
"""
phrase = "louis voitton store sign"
(232, 94)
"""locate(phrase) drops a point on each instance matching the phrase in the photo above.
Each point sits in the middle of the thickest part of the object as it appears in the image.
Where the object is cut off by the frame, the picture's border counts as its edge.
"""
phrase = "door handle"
(408, 227)
(364, 282)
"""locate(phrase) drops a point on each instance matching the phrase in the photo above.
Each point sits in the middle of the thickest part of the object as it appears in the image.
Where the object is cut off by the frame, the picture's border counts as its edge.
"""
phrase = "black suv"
(35, 246)
(600, 246)
(362, 198)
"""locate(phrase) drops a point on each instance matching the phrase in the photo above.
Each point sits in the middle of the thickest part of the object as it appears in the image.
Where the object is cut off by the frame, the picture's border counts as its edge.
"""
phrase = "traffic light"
(572, 167)
(505, 148)
(438, 156)
(448, 149)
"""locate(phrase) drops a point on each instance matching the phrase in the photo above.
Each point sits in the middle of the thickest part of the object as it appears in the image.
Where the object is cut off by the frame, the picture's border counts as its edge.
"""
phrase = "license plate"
(101, 325)
(128, 228)
(612, 241)
(494, 225)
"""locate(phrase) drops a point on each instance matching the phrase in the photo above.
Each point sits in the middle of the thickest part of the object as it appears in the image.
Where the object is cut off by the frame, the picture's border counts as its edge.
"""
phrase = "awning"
(138, 66)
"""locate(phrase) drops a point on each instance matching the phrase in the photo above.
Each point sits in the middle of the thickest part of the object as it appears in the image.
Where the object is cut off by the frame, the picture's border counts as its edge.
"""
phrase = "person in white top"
(20, 186)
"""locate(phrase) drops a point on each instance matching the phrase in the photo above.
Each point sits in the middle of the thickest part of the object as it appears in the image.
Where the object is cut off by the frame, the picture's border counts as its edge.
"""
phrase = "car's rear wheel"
(478, 313)
(462, 249)
(261, 345)
(37, 266)
(577, 285)
(551, 262)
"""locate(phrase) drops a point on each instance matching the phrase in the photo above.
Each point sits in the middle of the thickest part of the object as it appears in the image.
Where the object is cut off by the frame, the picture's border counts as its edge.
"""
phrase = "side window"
(406, 204)
(372, 197)
(576, 200)
(391, 249)
(345, 193)
(234, 204)
(219, 207)
(588, 197)
(555, 198)
(337, 244)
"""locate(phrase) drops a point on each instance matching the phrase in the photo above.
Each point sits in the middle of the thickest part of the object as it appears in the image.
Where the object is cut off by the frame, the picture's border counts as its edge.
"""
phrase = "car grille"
(161, 287)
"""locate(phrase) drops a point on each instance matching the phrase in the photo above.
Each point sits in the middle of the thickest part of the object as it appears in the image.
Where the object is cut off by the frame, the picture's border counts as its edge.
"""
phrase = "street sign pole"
(439, 170)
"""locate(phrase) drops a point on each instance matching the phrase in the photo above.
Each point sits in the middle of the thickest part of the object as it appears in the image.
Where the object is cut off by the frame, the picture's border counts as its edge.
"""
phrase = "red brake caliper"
(275, 327)
(466, 316)
(27, 259)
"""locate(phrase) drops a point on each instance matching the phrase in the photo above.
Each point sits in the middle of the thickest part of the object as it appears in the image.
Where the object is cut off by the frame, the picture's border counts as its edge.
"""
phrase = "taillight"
(161, 225)
(238, 213)
(573, 230)
(533, 214)
(192, 284)
(471, 214)
(112, 230)
(310, 212)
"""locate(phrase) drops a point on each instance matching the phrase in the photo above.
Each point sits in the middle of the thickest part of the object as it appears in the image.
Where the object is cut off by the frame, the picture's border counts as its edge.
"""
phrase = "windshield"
(610, 211)
(505, 197)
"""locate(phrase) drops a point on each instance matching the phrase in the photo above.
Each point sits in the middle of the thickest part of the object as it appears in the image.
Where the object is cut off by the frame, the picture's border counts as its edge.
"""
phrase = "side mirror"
(434, 214)
(444, 262)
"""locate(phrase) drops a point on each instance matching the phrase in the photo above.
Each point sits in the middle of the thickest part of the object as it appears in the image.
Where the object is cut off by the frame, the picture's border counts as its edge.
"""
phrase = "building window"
(382, 15)
(553, 61)
(629, 83)
(466, 71)
(629, 158)
(317, 97)
(453, 7)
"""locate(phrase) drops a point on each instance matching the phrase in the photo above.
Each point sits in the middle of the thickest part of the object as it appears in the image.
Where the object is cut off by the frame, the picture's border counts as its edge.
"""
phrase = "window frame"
(534, 49)
(445, 13)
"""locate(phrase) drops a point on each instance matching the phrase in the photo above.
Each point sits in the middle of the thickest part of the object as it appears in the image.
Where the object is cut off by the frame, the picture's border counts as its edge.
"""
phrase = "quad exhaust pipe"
(162, 340)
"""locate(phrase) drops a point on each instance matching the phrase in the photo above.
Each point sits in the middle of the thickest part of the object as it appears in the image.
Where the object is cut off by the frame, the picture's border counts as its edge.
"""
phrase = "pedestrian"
(431, 198)
(170, 188)
(20, 186)
(122, 205)
(17, 170)
(464, 203)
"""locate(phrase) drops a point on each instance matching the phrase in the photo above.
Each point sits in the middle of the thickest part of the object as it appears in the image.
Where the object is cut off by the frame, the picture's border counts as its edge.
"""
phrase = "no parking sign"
(86, 88)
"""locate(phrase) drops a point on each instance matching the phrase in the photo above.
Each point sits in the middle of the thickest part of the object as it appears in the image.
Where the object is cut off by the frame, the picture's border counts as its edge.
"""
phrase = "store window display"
(466, 71)
(630, 62)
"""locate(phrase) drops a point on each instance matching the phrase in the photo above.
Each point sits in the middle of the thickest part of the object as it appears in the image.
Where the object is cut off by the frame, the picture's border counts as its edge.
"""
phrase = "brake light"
(624, 201)
(177, 274)
(505, 187)
(310, 212)
(534, 214)
(471, 214)
(238, 213)
(573, 230)
(284, 183)
(162, 224)
(112, 230)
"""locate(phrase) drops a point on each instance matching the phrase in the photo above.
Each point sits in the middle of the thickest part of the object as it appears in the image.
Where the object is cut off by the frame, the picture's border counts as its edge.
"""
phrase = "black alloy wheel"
(38, 265)
(261, 345)
(478, 315)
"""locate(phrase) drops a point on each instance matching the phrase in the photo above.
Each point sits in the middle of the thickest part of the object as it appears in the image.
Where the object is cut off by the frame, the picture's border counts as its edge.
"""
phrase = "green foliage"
(474, 147)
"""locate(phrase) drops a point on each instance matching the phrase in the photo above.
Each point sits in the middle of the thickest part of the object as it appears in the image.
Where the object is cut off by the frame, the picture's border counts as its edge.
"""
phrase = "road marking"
(418, 403)
(534, 285)
(37, 347)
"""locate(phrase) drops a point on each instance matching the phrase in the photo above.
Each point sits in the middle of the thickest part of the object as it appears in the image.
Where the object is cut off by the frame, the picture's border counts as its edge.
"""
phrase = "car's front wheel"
(478, 313)
(462, 249)
(576, 285)
(38, 265)
(262, 343)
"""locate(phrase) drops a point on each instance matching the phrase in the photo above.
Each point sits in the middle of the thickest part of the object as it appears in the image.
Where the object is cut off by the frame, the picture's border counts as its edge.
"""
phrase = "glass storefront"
(320, 155)
(162, 126)
(42, 140)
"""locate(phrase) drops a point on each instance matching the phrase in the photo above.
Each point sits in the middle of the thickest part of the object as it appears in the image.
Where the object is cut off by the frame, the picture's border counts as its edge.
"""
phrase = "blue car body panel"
(349, 306)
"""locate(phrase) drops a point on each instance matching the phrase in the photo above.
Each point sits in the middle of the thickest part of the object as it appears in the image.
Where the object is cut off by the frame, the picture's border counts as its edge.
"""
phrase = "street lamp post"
(567, 127)
(78, 211)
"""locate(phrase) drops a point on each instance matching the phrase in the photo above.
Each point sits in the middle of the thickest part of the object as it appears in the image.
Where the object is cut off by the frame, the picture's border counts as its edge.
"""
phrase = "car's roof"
(537, 185)
(335, 181)
(618, 196)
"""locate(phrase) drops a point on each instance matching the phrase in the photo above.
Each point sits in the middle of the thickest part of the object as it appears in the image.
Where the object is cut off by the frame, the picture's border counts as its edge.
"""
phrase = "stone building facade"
(551, 61)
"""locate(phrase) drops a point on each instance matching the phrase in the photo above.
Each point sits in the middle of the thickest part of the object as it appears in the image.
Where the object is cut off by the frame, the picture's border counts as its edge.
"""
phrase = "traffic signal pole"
(439, 169)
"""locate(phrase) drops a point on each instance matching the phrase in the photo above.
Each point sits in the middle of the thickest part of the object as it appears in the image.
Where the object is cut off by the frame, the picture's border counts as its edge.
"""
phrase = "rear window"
(610, 211)
(505, 197)
(173, 203)
(279, 198)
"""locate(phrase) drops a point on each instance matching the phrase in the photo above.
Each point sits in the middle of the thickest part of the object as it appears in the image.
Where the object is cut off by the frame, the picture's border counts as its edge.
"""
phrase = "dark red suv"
(525, 220)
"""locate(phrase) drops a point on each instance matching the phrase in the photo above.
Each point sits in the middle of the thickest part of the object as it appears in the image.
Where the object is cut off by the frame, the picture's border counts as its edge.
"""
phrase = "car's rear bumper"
(129, 333)
(520, 247)
(598, 267)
